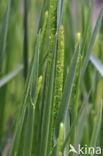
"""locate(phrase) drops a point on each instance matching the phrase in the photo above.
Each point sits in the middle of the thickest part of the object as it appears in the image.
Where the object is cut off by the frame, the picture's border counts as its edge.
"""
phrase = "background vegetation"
(51, 76)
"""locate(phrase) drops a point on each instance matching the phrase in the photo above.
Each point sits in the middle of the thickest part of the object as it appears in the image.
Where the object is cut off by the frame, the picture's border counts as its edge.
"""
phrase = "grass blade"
(86, 60)
(59, 13)
(3, 36)
(4, 80)
(96, 128)
(47, 109)
(26, 5)
(14, 148)
(97, 64)
(81, 124)
(28, 137)
(75, 122)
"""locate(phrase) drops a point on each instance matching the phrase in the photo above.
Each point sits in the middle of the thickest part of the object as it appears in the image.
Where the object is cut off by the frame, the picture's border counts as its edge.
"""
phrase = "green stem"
(25, 38)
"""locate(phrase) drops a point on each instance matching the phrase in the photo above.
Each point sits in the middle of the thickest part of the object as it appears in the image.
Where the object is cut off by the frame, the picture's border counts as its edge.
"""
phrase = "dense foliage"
(51, 77)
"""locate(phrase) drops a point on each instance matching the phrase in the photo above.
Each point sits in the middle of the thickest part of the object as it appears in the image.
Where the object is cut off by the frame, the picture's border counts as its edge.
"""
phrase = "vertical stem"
(25, 38)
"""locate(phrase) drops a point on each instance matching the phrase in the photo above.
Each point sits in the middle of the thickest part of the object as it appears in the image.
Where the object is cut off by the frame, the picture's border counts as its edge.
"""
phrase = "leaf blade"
(97, 64)
(4, 35)
(87, 57)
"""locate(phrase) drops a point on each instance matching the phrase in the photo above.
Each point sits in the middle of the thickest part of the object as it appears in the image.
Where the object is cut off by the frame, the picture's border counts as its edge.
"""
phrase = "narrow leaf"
(96, 128)
(97, 64)
(4, 80)
(21, 115)
(3, 35)
(86, 60)
(28, 138)
(26, 9)
(47, 108)
(59, 13)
